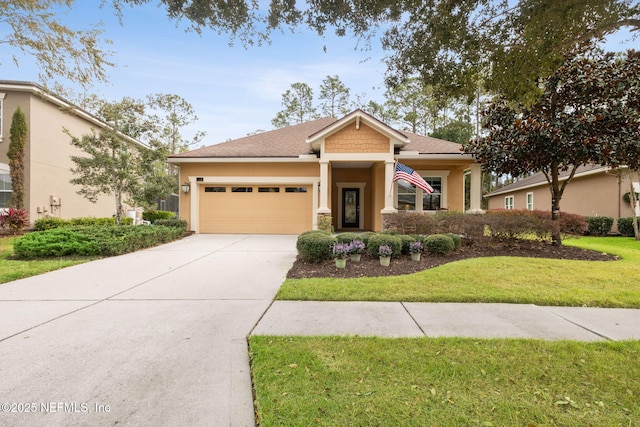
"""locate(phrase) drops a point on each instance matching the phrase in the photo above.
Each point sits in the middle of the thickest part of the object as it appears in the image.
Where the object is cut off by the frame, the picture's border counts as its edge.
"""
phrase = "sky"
(234, 90)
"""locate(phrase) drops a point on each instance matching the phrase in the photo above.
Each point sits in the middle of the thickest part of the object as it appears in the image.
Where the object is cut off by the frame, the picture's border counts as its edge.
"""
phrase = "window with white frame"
(5, 185)
(530, 201)
(508, 202)
(410, 198)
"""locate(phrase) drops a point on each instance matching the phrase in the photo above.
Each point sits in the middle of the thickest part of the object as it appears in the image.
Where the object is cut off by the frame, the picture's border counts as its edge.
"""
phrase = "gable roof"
(538, 179)
(302, 139)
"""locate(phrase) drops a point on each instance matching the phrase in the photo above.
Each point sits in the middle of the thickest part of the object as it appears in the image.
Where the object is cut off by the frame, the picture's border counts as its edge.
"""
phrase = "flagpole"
(395, 164)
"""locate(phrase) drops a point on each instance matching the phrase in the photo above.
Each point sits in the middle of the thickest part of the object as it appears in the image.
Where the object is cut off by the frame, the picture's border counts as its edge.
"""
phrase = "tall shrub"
(18, 136)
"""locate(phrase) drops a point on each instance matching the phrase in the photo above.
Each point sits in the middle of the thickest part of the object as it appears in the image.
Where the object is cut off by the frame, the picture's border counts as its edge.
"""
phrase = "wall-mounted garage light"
(186, 187)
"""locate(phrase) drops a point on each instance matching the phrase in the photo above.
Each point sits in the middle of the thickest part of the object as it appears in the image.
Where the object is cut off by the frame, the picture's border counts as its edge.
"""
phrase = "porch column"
(324, 188)
(476, 189)
(389, 166)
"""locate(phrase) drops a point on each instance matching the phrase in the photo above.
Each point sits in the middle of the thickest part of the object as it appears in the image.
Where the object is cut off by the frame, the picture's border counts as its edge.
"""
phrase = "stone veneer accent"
(352, 140)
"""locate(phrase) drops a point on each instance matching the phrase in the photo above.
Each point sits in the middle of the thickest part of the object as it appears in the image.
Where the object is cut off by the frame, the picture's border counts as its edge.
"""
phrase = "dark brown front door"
(351, 208)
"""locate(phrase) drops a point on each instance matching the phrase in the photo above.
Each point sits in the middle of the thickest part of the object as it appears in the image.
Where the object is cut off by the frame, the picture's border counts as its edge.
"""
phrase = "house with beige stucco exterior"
(48, 151)
(284, 181)
(594, 191)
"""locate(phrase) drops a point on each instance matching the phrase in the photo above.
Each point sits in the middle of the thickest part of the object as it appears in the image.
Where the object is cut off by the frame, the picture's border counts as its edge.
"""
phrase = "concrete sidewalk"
(396, 319)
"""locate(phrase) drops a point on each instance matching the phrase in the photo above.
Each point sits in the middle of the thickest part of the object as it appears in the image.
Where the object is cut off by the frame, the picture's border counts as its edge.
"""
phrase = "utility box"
(54, 200)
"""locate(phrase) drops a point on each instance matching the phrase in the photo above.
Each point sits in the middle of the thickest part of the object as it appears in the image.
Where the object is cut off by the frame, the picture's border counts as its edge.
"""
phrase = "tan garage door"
(255, 209)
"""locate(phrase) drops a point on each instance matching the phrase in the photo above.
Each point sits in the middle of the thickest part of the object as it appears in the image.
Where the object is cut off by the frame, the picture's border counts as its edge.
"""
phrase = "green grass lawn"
(331, 381)
(498, 279)
(11, 269)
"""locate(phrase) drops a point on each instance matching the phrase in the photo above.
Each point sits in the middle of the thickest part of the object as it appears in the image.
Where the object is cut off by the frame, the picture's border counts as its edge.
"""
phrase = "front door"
(351, 208)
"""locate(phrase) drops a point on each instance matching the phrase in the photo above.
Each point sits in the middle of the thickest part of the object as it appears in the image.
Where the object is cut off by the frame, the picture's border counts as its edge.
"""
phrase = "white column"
(389, 166)
(476, 189)
(324, 188)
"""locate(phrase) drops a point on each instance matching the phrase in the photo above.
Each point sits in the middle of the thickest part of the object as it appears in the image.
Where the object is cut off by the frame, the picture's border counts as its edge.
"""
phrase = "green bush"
(346, 237)
(364, 237)
(407, 240)
(55, 242)
(52, 222)
(91, 221)
(599, 225)
(49, 223)
(457, 240)
(315, 247)
(94, 240)
(152, 216)
(377, 240)
(179, 223)
(304, 233)
(625, 226)
(439, 244)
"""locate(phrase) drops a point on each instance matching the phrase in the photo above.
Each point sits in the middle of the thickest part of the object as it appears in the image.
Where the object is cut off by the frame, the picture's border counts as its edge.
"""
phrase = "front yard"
(498, 279)
(331, 381)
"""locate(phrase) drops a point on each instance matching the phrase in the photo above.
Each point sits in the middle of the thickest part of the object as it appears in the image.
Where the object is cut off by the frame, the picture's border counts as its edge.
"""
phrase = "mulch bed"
(369, 266)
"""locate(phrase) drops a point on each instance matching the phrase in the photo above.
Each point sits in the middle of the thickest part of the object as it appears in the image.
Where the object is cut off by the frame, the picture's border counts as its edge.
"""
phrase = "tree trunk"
(556, 236)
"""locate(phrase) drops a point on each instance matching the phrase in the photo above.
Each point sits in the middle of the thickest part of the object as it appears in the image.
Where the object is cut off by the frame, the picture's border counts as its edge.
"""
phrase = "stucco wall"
(47, 158)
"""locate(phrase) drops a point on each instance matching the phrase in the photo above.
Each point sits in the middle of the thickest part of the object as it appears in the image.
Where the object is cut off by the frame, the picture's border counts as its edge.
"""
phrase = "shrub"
(439, 244)
(304, 233)
(15, 220)
(315, 247)
(625, 226)
(394, 242)
(364, 237)
(95, 240)
(457, 240)
(49, 223)
(346, 237)
(55, 243)
(178, 223)
(599, 225)
(407, 240)
(152, 215)
(91, 221)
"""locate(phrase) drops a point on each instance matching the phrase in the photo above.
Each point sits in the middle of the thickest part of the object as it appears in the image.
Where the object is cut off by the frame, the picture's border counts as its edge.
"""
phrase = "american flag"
(409, 175)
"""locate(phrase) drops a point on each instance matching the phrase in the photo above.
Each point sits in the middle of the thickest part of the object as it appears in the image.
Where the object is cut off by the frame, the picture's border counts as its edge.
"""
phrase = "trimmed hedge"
(407, 240)
(391, 240)
(439, 244)
(599, 225)
(179, 223)
(92, 241)
(625, 226)
(315, 246)
(153, 216)
(53, 222)
(346, 237)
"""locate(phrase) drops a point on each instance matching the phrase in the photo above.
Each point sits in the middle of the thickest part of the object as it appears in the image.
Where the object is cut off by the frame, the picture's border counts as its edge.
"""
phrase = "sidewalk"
(402, 319)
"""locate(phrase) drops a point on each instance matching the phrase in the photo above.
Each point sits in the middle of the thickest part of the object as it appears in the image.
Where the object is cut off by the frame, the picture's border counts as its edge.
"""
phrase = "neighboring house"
(285, 180)
(48, 152)
(593, 191)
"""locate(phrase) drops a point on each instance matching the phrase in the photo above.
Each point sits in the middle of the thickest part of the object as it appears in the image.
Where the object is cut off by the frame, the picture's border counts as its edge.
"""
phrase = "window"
(295, 189)
(268, 189)
(5, 188)
(508, 202)
(530, 201)
(215, 189)
(431, 202)
(406, 196)
(411, 198)
(241, 189)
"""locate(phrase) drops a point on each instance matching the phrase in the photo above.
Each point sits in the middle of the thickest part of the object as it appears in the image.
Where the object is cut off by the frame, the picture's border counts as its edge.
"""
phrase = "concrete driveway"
(157, 337)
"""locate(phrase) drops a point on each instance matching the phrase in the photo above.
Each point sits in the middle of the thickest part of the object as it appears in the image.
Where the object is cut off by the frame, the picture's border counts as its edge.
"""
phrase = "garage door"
(255, 209)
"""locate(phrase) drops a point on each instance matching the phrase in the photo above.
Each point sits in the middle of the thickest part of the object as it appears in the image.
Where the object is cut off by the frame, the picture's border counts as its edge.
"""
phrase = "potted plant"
(340, 252)
(355, 249)
(415, 248)
(384, 252)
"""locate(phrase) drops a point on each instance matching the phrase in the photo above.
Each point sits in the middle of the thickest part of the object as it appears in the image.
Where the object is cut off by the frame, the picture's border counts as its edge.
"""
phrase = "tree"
(15, 154)
(448, 43)
(114, 163)
(334, 96)
(298, 106)
(455, 131)
(589, 112)
(32, 28)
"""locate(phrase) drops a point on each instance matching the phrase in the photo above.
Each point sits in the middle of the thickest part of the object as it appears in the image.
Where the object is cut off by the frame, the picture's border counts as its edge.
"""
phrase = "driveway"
(157, 337)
